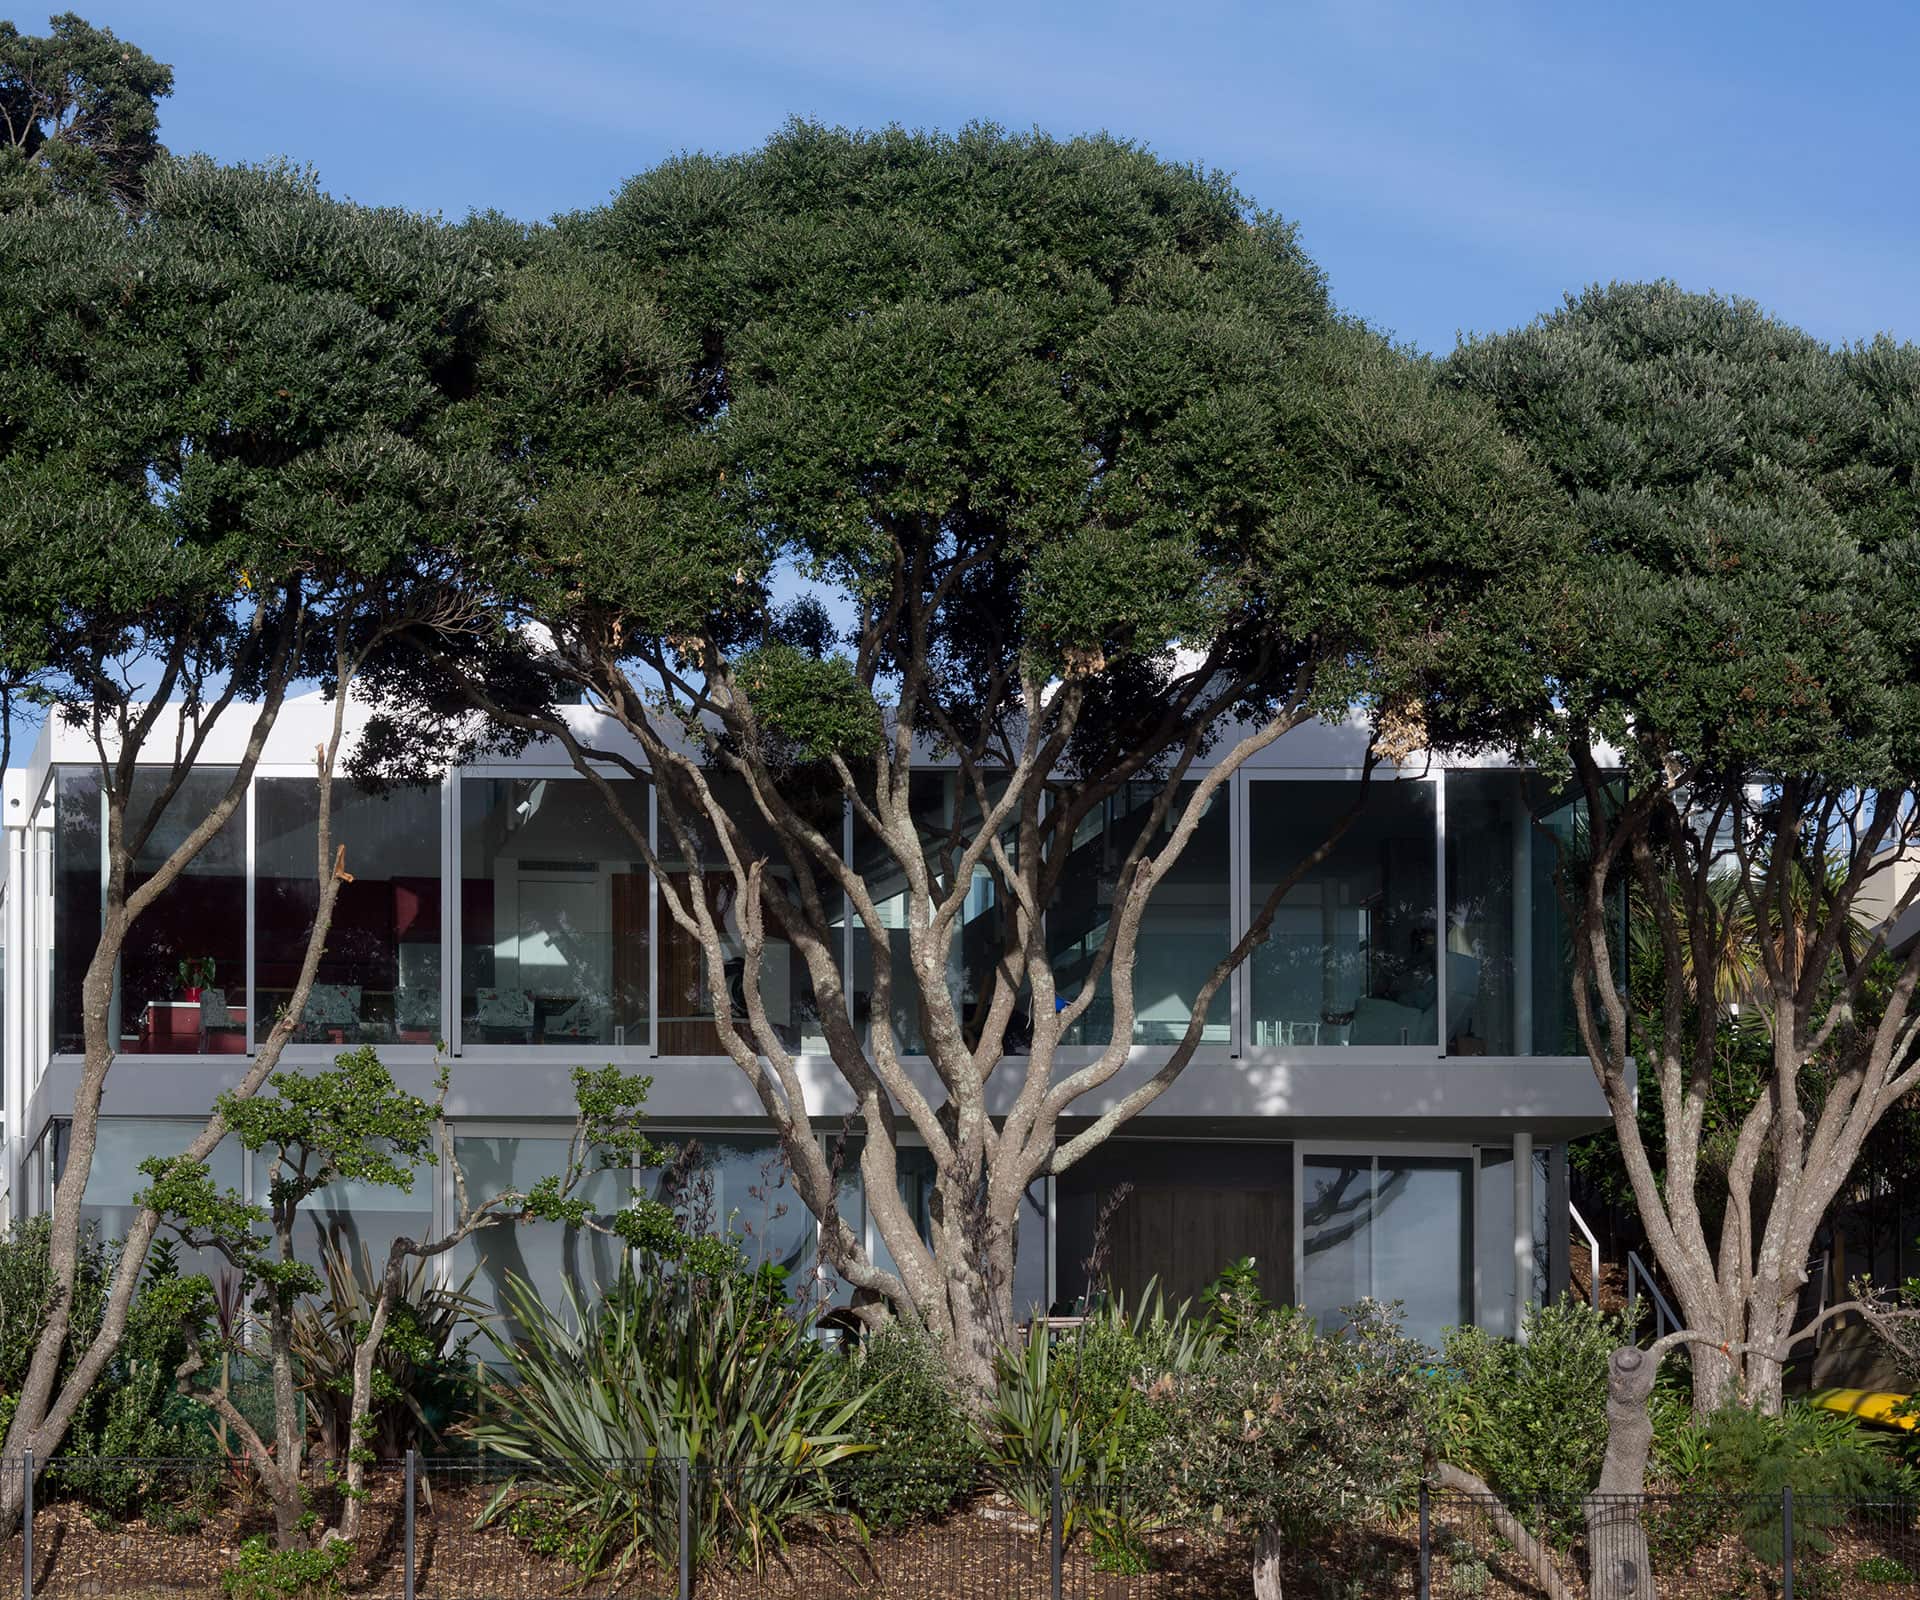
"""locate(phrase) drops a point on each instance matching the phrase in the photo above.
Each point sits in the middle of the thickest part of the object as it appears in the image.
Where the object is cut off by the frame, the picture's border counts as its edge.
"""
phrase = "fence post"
(407, 1581)
(1786, 1542)
(26, 1528)
(686, 1535)
(1057, 1532)
(1426, 1542)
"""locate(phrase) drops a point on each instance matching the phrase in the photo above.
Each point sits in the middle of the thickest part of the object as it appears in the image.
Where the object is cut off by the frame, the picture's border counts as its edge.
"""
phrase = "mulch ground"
(982, 1552)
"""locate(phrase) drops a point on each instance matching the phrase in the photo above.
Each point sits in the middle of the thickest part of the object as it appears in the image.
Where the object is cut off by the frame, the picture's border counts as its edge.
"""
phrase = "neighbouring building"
(1381, 1105)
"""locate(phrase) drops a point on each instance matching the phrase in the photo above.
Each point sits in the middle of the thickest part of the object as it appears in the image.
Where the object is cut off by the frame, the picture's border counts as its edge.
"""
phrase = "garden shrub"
(1828, 1459)
(1293, 1434)
(1077, 1402)
(923, 1457)
(260, 1572)
(133, 1412)
(669, 1364)
(1530, 1416)
(1234, 1302)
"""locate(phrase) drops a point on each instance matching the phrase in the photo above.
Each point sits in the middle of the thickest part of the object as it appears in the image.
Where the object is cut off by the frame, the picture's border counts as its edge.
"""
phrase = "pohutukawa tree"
(1738, 694)
(1099, 498)
(220, 478)
(78, 115)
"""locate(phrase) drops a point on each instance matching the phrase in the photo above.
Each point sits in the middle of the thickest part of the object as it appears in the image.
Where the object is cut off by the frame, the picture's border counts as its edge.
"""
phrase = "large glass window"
(77, 837)
(1389, 1227)
(182, 978)
(1185, 931)
(1351, 958)
(947, 820)
(379, 979)
(553, 908)
(1509, 955)
(742, 1184)
(687, 1004)
(120, 1145)
(360, 1220)
(544, 1255)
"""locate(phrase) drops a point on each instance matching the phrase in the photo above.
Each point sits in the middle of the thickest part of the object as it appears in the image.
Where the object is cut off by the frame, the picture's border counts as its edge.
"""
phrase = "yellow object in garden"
(1867, 1404)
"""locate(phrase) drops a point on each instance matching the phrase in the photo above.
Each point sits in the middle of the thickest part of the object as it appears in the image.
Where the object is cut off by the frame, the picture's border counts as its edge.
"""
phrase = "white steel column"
(1522, 1230)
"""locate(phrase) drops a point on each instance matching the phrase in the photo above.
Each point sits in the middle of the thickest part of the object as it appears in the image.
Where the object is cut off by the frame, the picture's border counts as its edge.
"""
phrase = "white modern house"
(1381, 1105)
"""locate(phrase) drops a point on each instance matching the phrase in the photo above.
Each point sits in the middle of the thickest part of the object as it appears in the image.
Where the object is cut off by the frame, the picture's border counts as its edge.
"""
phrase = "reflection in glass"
(947, 820)
(1351, 959)
(1494, 1227)
(183, 971)
(120, 1145)
(543, 1255)
(361, 1220)
(1184, 932)
(379, 978)
(553, 897)
(742, 1184)
(1506, 931)
(1389, 1228)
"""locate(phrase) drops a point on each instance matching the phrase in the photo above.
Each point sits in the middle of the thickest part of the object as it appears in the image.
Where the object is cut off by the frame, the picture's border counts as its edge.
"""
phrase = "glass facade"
(1351, 957)
(1430, 925)
(1493, 1222)
(1506, 937)
(182, 978)
(687, 1004)
(120, 1144)
(554, 915)
(545, 1256)
(379, 978)
(1388, 1227)
(1186, 929)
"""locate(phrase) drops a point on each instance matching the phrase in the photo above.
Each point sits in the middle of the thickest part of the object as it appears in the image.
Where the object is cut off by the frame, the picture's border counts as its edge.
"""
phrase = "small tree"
(351, 1124)
(1293, 1435)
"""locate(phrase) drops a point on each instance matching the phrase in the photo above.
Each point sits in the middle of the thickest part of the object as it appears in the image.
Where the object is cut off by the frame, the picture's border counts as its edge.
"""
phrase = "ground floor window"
(1388, 1227)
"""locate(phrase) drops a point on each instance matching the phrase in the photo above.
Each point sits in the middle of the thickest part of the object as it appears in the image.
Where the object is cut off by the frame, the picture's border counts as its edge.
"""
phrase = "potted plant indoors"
(196, 973)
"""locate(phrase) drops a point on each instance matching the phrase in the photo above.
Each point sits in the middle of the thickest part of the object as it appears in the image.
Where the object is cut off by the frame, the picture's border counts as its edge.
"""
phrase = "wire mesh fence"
(490, 1529)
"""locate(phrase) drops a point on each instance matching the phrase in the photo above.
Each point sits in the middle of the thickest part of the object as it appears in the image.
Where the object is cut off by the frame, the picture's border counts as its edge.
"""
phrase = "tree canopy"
(223, 472)
(1736, 686)
(78, 115)
(1095, 481)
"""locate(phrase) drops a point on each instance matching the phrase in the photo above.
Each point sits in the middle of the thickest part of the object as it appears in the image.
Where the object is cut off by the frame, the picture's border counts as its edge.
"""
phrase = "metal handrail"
(1664, 1321)
(1593, 1249)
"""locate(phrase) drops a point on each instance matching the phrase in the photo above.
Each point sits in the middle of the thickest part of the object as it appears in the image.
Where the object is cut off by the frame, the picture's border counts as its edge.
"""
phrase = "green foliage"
(261, 1572)
(348, 1123)
(1529, 1416)
(1884, 1569)
(1233, 1302)
(1295, 1430)
(923, 1457)
(420, 1374)
(133, 1411)
(80, 115)
(667, 1365)
(1078, 1402)
(1828, 1459)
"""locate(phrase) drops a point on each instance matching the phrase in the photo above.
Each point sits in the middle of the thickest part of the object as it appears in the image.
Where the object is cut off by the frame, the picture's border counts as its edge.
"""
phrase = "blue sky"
(1452, 166)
